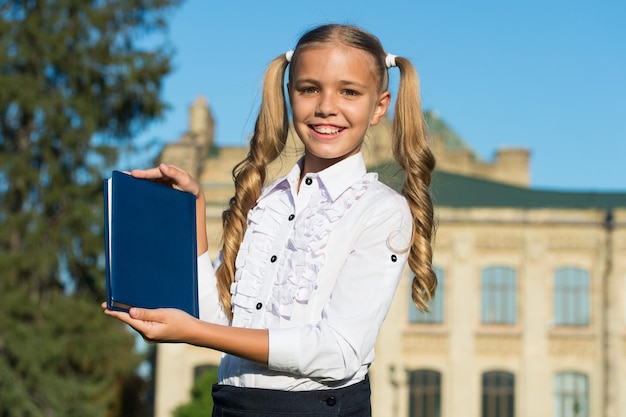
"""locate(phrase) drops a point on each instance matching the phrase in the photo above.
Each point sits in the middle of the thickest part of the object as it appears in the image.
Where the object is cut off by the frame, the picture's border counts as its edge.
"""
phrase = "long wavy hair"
(410, 150)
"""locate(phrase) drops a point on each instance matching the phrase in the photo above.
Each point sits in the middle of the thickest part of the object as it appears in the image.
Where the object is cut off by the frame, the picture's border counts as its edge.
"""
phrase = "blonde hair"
(410, 149)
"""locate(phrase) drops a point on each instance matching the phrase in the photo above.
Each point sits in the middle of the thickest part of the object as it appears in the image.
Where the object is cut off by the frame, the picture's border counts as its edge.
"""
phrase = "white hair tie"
(390, 60)
(288, 55)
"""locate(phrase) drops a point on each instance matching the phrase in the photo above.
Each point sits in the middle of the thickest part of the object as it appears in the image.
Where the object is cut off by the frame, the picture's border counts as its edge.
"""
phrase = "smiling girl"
(310, 263)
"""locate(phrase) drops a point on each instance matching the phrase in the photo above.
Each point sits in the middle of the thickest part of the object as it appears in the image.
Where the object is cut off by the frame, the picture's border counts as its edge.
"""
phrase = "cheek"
(360, 113)
(299, 109)
(357, 110)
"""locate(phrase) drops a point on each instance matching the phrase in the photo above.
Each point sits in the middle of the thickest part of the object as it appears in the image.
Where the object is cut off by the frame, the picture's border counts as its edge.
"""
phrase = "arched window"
(571, 297)
(498, 399)
(498, 295)
(425, 393)
(571, 395)
(435, 306)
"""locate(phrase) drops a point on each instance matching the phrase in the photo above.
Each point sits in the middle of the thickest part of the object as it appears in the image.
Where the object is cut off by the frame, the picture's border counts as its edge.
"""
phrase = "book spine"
(107, 242)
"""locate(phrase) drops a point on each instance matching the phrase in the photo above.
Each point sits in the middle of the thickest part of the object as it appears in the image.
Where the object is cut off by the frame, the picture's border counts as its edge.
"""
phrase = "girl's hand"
(157, 325)
(170, 175)
(176, 326)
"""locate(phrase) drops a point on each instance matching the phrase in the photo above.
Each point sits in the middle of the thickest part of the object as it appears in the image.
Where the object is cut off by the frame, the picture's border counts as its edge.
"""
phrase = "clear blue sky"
(546, 75)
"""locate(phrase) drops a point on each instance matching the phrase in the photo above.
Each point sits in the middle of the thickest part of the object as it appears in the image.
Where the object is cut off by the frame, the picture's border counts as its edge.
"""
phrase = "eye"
(308, 90)
(350, 93)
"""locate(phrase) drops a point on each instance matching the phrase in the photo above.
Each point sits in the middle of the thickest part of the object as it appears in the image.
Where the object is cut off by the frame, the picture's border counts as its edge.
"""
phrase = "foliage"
(75, 85)
(201, 402)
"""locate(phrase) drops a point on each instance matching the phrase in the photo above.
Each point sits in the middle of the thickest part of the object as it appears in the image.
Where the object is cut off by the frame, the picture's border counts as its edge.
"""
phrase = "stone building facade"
(530, 315)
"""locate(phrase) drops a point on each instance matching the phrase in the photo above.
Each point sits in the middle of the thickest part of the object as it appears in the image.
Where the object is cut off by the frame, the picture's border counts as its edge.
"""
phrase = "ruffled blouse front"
(300, 243)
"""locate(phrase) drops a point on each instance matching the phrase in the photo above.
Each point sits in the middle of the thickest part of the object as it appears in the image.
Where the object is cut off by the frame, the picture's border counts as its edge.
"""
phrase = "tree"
(201, 402)
(76, 83)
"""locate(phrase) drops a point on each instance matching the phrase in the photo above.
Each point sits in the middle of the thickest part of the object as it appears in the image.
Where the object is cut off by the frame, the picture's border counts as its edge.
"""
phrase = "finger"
(182, 179)
(121, 315)
(145, 315)
(141, 314)
(150, 174)
(140, 325)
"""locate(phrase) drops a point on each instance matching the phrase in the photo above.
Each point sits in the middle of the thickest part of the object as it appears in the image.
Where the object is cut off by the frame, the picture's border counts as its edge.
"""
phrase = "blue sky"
(549, 76)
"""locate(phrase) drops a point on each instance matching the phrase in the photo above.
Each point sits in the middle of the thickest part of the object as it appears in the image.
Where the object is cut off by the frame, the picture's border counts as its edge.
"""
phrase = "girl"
(310, 263)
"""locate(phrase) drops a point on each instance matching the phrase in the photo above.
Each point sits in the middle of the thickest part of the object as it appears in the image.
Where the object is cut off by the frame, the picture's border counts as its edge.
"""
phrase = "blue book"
(150, 245)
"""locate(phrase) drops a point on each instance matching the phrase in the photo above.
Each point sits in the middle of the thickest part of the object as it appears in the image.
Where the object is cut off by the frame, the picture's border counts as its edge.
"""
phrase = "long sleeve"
(210, 307)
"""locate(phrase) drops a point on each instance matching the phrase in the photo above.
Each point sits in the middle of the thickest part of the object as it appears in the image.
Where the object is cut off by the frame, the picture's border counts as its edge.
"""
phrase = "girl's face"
(334, 97)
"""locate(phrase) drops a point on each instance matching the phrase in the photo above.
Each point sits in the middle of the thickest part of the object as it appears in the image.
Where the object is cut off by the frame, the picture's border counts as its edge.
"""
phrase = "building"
(530, 315)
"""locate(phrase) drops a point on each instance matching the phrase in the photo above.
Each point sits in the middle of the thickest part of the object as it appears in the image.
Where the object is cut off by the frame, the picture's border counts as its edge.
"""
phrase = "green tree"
(78, 79)
(201, 402)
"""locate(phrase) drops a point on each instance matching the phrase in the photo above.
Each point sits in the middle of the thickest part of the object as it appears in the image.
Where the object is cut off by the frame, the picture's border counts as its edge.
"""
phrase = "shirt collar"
(340, 176)
(336, 179)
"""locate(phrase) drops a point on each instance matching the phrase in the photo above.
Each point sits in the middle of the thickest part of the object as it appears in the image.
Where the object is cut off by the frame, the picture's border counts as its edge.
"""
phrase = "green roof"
(437, 127)
(454, 190)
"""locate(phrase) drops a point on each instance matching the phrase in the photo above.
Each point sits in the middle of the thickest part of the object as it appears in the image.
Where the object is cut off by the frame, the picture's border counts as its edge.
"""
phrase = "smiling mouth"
(326, 130)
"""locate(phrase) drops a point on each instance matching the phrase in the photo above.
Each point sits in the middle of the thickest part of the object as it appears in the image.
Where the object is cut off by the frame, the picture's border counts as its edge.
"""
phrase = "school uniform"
(318, 268)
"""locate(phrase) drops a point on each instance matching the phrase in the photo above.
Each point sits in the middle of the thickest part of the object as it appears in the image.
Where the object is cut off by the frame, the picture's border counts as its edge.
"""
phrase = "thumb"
(138, 313)
(165, 170)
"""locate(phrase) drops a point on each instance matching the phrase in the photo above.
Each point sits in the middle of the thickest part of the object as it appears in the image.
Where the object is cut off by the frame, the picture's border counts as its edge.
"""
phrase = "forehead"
(334, 61)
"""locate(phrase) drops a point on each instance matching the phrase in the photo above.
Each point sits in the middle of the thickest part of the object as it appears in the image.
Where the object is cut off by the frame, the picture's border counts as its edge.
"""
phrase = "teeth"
(326, 130)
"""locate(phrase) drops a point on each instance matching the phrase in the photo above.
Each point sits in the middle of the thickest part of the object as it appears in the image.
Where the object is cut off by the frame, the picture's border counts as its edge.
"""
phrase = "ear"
(381, 108)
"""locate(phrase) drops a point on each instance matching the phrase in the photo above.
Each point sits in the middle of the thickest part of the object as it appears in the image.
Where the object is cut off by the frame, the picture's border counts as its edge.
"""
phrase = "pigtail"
(266, 144)
(411, 151)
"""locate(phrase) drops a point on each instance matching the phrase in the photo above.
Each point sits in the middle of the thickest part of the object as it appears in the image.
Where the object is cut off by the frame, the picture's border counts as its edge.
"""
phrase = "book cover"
(150, 245)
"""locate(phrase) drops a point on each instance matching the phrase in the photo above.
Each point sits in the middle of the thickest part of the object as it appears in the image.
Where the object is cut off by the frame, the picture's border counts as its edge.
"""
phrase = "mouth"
(326, 129)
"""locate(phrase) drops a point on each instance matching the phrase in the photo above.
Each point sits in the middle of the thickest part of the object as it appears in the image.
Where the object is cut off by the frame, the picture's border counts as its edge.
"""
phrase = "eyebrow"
(341, 82)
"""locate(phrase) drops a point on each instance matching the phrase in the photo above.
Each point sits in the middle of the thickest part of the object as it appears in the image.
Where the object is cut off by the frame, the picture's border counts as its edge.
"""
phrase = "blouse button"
(308, 181)
(273, 258)
(259, 306)
(394, 258)
(291, 217)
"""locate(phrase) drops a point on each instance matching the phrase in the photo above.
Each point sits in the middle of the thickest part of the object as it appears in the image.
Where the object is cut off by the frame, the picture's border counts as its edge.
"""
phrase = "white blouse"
(318, 267)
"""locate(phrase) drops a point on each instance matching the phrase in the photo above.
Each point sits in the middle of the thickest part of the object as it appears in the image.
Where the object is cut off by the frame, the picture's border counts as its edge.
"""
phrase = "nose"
(326, 105)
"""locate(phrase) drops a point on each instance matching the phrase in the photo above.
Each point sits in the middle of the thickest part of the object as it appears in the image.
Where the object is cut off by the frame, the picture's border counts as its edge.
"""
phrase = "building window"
(571, 297)
(425, 393)
(498, 394)
(571, 395)
(435, 306)
(498, 292)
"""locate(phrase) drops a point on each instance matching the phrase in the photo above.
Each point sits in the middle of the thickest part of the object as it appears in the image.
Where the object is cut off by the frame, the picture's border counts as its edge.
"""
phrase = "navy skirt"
(351, 401)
